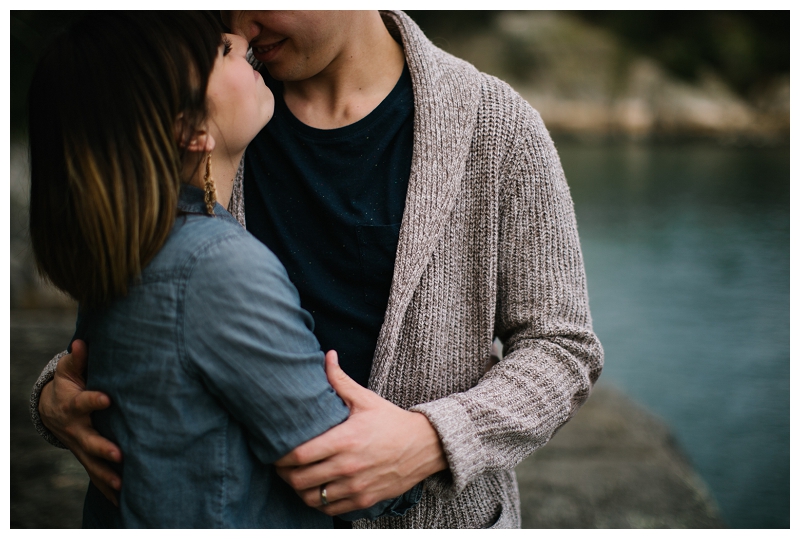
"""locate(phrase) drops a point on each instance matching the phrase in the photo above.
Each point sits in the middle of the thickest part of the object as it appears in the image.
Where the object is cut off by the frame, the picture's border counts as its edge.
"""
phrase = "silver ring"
(323, 493)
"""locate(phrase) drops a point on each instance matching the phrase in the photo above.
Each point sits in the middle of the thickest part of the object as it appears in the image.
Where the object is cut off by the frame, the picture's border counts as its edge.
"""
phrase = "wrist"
(433, 459)
(43, 396)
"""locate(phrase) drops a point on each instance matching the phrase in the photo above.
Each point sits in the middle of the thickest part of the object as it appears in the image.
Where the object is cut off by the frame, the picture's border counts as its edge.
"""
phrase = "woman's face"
(239, 103)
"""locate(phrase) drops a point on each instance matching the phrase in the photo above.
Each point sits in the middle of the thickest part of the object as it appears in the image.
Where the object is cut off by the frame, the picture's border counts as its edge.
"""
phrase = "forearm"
(513, 411)
(44, 378)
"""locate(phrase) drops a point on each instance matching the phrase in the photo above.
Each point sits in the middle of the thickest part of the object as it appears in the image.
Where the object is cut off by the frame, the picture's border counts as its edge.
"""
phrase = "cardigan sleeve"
(46, 376)
(551, 355)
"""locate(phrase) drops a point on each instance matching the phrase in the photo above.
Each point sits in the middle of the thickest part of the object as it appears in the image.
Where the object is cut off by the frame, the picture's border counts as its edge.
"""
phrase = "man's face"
(293, 45)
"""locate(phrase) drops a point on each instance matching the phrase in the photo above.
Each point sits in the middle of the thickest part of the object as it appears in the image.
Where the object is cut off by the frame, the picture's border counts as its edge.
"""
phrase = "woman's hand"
(379, 452)
(65, 407)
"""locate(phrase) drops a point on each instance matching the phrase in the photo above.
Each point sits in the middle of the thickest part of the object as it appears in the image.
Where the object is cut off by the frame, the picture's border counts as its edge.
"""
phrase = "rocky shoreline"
(586, 83)
(613, 466)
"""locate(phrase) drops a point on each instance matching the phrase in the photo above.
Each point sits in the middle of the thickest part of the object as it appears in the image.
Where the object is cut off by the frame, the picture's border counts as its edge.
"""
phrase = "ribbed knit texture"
(488, 246)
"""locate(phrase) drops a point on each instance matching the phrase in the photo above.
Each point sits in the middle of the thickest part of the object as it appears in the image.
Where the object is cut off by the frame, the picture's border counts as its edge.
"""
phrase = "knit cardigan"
(488, 247)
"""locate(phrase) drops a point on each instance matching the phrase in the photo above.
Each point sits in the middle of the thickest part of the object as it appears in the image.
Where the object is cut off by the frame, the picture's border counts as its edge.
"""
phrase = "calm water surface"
(687, 258)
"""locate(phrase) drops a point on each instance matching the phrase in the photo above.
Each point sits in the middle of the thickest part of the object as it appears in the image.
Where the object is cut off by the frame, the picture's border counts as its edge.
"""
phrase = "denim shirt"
(213, 373)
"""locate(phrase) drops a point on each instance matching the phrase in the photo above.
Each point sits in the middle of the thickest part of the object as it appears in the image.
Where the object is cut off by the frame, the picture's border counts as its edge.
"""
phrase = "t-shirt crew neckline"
(348, 130)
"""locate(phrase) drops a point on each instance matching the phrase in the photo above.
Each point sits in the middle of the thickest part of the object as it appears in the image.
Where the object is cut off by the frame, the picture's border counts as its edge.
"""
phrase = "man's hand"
(65, 408)
(379, 452)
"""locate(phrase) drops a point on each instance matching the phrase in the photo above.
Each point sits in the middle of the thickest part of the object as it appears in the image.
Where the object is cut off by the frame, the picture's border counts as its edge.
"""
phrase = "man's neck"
(353, 84)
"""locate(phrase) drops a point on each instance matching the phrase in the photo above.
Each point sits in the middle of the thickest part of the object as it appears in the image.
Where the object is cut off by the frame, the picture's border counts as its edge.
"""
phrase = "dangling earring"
(208, 187)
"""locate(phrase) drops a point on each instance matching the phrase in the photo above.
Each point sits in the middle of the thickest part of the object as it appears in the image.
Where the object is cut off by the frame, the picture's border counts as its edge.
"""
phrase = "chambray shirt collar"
(192, 200)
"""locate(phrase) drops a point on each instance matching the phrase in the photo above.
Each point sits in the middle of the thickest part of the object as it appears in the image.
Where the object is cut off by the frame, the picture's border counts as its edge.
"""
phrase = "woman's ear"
(199, 141)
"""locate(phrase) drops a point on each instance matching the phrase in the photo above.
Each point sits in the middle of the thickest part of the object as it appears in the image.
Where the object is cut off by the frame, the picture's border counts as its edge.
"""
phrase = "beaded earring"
(208, 187)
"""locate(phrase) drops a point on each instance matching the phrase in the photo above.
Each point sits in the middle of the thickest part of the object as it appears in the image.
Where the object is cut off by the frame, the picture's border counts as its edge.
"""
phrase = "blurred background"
(673, 130)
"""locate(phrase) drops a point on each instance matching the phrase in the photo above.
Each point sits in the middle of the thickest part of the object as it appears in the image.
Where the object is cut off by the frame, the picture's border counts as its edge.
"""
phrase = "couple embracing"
(394, 207)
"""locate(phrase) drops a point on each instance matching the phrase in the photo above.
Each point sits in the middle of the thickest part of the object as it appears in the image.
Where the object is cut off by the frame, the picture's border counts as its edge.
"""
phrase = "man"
(420, 208)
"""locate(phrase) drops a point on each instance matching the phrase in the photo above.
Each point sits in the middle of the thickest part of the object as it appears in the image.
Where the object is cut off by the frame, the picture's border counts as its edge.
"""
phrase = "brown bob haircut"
(104, 152)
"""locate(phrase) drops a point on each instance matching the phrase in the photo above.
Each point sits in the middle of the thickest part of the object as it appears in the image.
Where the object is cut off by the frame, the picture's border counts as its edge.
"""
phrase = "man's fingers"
(103, 476)
(79, 353)
(105, 480)
(87, 402)
(95, 446)
(314, 450)
(305, 477)
(350, 391)
(110, 494)
(336, 506)
(73, 365)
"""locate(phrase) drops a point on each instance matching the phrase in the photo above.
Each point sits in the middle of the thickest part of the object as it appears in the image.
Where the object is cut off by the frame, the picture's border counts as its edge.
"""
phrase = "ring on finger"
(323, 494)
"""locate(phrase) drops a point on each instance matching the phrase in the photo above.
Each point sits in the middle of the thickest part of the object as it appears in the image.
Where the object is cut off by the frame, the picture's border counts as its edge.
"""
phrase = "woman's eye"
(228, 46)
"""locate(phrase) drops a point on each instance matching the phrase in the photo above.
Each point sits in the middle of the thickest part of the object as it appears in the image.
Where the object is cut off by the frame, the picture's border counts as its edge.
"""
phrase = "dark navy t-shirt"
(329, 204)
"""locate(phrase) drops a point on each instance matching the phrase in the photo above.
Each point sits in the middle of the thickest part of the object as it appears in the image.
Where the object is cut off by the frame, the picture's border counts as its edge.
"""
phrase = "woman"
(128, 111)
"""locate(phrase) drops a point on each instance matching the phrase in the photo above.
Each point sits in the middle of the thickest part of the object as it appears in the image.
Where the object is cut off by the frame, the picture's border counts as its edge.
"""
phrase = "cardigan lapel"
(446, 98)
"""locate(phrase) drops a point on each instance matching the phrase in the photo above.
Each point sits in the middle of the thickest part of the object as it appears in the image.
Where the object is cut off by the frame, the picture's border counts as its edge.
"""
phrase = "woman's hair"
(105, 106)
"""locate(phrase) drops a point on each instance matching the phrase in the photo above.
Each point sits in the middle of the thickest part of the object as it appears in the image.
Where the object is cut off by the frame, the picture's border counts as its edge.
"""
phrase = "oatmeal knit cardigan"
(488, 247)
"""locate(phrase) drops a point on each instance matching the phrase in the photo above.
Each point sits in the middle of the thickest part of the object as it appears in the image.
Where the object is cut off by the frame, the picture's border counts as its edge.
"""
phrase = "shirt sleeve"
(246, 336)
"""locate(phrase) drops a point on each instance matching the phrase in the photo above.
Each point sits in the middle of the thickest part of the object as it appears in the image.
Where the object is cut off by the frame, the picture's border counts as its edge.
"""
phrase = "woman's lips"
(266, 53)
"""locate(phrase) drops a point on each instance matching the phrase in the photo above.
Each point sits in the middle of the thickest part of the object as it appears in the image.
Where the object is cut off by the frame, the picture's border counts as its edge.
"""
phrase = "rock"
(584, 81)
(614, 465)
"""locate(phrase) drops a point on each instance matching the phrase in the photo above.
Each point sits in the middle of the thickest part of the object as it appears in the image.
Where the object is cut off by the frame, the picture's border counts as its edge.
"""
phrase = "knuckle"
(300, 455)
(328, 510)
(295, 481)
(70, 432)
(363, 501)
(309, 499)
(351, 444)
(359, 484)
(108, 480)
(350, 468)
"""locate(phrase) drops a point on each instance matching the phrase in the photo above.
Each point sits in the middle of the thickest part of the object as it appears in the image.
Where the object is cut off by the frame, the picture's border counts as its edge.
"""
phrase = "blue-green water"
(687, 258)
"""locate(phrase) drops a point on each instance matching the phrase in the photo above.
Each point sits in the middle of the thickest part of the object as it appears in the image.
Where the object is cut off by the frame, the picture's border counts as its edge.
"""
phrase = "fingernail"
(115, 484)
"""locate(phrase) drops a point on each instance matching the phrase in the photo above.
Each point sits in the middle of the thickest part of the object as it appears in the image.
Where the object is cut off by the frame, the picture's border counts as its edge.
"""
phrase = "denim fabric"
(213, 373)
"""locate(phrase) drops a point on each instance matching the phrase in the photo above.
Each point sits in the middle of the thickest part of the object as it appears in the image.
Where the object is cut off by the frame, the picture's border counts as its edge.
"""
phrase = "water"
(687, 258)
